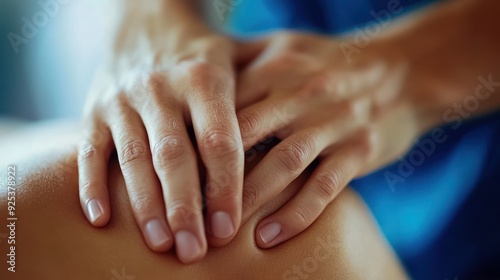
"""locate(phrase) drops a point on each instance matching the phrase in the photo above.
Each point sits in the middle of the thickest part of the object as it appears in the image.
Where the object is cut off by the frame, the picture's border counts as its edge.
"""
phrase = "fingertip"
(96, 213)
(223, 216)
(157, 236)
(189, 249)
(221, 229)
(269, 234)
(222, 225)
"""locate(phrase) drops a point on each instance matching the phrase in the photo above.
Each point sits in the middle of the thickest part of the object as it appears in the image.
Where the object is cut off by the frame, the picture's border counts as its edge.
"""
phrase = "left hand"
(354, 115)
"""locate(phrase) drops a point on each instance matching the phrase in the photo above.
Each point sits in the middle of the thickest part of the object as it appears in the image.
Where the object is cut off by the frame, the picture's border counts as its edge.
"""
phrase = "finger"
(142, 184)
(175, 163)
(219, 143)
(280, 167)
(264, 118)
(331, 176)
(289, 159)
(257, 76)
(250, 89)
(275, 68)
(93, 156)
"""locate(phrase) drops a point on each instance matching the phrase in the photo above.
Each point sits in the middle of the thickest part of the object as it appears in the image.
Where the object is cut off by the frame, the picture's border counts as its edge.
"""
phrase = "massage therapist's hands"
(167, 72)
(354, 116)
(358, 106)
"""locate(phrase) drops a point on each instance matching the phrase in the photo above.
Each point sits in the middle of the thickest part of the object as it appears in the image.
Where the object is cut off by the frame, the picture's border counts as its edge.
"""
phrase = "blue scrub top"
(437, 205)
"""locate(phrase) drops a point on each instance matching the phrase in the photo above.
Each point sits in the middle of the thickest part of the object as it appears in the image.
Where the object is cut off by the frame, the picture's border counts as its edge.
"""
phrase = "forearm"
(451, 49)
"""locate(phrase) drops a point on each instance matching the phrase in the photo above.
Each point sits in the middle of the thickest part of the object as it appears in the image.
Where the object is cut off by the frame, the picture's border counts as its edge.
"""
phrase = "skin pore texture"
(55, 241)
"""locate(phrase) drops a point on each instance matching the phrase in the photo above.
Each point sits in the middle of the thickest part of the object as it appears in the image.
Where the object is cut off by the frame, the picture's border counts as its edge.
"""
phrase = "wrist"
(451, 50)
(163, 27)
(422, 43)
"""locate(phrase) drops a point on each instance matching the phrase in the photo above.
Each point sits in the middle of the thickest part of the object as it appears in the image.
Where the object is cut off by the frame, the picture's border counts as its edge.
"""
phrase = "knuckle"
(301, 216)
(121, 106)
(144, 80)
(95, 136)
(250, 196)
(153, 84)
(219, 142)
(147, 80)
(86, 152)
(142, 205)
(150, 84)
(155, 81)
(294, 155)
(118, 107)
(248, 123)
(119, 100)
(132, 151)
(88, 188)
(205, 72)
(182, 211)
(170, 151)
(290, 157)
(206, 82)
(200, 69)
(316, 86)
(328, 184)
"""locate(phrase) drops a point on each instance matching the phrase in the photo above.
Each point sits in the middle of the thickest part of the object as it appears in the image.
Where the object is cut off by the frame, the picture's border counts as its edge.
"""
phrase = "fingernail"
(94, 210)
(188, 248)
(222, 226)
(269, 232)
(156, 233)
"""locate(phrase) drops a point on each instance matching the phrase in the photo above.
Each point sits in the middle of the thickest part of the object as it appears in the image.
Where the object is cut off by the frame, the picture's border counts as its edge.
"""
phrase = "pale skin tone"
(54, 241)
(355, 114)
(170, 76)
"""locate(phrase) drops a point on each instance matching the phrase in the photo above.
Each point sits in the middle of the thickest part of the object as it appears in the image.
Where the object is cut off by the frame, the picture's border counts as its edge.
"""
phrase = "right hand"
(162, 76)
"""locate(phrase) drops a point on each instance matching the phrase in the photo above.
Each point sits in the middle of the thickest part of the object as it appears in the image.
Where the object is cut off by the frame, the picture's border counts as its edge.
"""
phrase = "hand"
(354, 116)
(162, 79)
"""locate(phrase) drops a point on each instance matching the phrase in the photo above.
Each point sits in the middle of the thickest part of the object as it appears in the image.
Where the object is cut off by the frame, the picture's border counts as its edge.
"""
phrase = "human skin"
(359, 106)
(165, 71)
(54, 241)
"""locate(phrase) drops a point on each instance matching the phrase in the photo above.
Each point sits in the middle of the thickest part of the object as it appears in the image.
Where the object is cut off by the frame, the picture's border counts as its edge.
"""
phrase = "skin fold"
(54, 240)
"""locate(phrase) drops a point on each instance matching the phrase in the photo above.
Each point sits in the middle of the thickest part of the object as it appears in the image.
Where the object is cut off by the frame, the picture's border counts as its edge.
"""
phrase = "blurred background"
(439, 222)
(46, 74)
